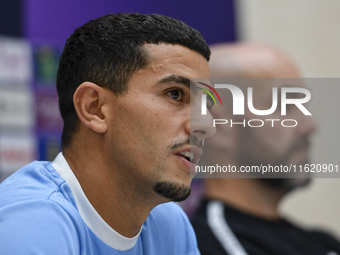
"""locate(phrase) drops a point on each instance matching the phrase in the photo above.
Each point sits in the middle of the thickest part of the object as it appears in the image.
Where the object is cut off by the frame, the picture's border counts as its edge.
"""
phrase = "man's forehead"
(164, 53)
(156, 50)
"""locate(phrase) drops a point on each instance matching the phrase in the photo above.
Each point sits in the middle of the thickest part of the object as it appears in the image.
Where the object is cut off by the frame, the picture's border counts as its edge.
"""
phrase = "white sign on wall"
(15, 60)
(16, 109)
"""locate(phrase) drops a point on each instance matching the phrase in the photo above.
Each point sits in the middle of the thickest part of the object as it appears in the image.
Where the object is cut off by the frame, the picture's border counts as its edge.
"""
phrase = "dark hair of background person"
(109, 49)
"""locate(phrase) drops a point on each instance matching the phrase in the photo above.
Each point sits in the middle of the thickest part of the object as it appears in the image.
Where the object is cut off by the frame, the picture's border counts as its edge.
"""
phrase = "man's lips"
(191, 154)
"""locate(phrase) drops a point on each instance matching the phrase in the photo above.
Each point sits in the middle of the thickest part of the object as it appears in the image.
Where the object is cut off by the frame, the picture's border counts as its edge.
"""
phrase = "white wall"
(308, 31)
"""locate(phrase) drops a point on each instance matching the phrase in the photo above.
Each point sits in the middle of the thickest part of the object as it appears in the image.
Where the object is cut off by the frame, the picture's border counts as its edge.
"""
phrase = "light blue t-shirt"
(43, 210)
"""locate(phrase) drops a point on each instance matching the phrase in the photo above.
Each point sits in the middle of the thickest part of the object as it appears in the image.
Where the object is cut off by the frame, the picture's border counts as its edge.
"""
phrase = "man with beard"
(128, 143)
(240, 215)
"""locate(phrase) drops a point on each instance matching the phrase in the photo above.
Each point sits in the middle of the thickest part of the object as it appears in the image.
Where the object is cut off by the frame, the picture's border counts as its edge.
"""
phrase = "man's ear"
(88, 101)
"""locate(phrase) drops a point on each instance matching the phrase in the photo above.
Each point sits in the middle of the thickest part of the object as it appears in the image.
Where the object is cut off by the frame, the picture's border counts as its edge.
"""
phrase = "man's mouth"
(191, 154)
(187, 155)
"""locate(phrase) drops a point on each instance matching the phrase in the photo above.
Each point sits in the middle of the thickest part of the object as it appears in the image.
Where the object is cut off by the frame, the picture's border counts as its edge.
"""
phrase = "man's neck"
(248, 195)
(111, 195)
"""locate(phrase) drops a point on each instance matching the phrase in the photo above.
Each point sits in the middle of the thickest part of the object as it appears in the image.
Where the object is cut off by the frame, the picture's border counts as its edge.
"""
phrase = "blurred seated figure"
(240, 216)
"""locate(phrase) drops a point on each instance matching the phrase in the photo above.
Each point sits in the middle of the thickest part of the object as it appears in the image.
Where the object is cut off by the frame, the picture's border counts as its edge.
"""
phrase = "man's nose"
(200, 125)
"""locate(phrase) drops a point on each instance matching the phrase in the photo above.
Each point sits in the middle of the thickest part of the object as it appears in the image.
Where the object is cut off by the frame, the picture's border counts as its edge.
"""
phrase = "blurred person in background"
(240, 215)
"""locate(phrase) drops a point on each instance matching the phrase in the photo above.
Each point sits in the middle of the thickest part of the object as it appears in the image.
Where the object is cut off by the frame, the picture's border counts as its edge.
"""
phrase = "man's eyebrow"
(180, 80)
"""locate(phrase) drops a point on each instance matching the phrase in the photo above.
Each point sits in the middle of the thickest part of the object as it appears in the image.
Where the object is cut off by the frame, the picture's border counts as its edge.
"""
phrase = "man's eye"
(175, 94)
(210, 104)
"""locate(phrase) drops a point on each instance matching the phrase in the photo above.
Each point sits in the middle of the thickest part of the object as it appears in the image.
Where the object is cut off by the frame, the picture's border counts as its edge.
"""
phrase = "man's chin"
(292, 180)
(287, 184)
(172, 191)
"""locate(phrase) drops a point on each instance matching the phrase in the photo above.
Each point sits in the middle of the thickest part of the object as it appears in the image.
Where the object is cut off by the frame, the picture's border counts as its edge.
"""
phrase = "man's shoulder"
(35, 181)
(319, 235)
(35, 189)
(39, 225)
(36, 213)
